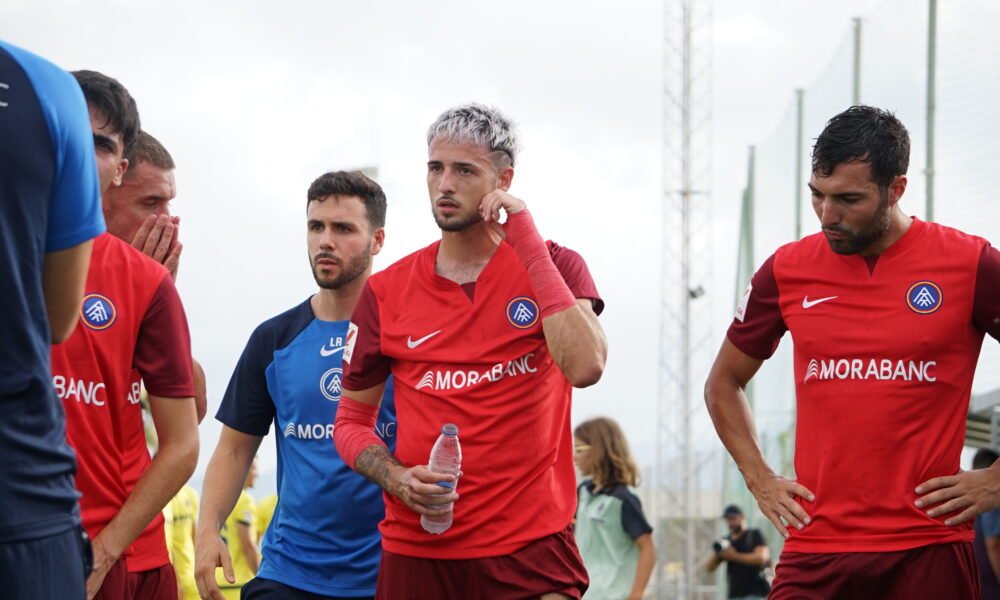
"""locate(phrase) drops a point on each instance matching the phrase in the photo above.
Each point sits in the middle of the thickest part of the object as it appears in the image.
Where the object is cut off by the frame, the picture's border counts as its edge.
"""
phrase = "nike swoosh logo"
(412, 343)
(324, 352)
(807, 303)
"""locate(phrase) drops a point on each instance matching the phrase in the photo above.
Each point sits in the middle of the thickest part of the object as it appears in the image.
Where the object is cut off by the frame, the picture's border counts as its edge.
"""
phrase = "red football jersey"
(884, 358)
(129, 315)
(483, 364)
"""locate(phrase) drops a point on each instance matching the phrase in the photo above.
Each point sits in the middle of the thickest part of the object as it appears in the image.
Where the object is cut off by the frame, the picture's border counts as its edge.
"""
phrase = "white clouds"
(256, 99)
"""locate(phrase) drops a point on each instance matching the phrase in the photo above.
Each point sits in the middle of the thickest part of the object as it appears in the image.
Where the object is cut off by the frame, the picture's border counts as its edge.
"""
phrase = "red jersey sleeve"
(986, 302)
(576, 275)
(163, 350)
(364, 364)
(758, 325)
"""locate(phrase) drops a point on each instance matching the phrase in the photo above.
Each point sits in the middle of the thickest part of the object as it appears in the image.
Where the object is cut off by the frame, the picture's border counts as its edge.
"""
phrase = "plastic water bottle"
(446, 457)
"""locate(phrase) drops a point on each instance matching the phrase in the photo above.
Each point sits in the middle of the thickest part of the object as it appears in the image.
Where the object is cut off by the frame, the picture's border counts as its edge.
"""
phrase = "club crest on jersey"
(330, 384)
(924, 297)
(97, 312)
(522, 312)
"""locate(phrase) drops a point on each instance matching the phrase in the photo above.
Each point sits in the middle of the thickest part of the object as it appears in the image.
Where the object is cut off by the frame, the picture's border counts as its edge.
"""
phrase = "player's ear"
(504, 178)
(378, 239)
(896, 189)
(120, 172)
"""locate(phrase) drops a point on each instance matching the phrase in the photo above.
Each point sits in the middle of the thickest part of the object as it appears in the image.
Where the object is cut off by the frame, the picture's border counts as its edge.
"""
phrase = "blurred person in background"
(324, 540)
(987, 543)
(746, 555)
(50, 212)
(179, 520)
(887, 314)
(265, 512)
(614, 537)
(181, 516)
(239, 533)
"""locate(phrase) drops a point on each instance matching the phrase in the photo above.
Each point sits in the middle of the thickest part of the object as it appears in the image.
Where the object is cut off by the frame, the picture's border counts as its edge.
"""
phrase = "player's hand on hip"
(211, 553)
(103, 561)
(418, 488)
(971, 492)
(776, 498)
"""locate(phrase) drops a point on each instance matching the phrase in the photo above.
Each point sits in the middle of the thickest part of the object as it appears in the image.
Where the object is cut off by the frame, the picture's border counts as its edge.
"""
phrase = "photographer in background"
(746, 552)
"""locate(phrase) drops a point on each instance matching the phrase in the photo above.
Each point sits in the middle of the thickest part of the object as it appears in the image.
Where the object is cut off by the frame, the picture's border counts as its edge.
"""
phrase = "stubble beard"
(351, 270)
(456, 223)
(870, 233)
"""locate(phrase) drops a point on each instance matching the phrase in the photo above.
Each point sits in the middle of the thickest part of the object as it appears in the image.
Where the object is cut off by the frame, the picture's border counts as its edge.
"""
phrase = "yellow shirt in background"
(180, 515)
(245, 513)
(265, 512)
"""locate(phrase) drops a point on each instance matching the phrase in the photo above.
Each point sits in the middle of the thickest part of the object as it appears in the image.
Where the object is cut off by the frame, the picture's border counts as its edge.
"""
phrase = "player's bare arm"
(725, 396)
(63, 275)
(963, 496)
(416, 486)
(644, 567)
(577, 343)
(573, 335)
(177, 431)
(227, 472)
(200, 390)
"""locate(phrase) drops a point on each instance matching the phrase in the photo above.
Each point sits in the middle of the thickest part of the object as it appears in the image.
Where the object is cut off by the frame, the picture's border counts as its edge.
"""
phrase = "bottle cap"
(450, 429)
(447, 484)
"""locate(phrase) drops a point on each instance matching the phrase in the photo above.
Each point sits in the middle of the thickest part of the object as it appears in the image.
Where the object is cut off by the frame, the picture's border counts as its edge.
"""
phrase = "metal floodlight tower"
(685, 313)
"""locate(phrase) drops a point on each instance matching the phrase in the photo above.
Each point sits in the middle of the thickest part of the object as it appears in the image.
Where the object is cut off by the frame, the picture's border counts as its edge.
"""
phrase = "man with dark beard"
(323, 541)
(887, 314)
(488, 328)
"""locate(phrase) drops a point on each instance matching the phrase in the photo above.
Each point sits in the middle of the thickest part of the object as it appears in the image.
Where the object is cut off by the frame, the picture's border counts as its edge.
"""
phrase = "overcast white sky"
(254, 100)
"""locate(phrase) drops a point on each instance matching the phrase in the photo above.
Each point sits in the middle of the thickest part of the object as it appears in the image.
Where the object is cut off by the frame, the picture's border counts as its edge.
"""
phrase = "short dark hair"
(149, 149)
(110, 97)
(867, 134)
(984, 458)
(732, 511)
(351, 183)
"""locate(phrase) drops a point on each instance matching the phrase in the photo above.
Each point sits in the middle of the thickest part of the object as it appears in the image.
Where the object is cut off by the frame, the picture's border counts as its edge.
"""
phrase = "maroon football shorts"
(115, 585)
(548, 565)
(929, 572)
(154, 584)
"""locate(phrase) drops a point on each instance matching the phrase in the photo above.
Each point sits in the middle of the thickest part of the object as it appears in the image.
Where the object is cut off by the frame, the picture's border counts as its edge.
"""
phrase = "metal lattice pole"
(685, 314)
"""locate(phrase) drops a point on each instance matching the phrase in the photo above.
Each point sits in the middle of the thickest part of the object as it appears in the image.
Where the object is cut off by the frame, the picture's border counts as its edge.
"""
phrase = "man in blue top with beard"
(323, 541)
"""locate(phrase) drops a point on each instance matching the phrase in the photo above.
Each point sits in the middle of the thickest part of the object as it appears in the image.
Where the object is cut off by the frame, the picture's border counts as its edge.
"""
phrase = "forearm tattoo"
(374, 462)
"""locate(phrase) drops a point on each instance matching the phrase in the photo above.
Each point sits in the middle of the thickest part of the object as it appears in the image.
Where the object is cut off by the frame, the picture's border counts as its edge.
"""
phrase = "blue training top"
(324, 535)
(50, 200)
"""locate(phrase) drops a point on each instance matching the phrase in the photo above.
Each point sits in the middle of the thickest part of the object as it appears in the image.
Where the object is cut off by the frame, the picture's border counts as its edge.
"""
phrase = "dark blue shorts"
(50, 568)
(266, 589)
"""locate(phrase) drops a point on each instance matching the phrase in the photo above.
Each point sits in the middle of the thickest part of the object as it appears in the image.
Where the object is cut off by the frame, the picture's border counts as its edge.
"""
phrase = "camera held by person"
(746, 556)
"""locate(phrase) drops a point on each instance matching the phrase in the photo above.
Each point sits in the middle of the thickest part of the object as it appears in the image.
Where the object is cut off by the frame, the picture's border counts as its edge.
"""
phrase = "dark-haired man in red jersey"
(132, 325)
(887, 315)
